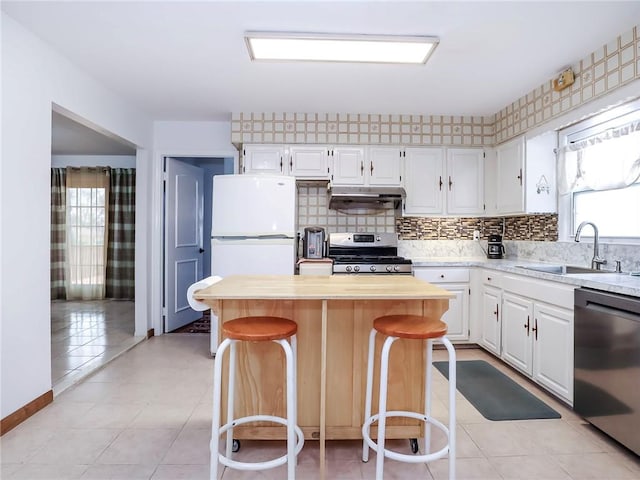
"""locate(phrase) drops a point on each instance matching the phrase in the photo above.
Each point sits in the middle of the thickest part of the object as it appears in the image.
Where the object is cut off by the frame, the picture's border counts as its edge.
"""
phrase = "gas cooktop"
(367, 253)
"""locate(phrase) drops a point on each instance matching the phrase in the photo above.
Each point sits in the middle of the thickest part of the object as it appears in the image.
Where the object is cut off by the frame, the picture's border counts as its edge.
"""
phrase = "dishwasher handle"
(633, 317)
(607, 302)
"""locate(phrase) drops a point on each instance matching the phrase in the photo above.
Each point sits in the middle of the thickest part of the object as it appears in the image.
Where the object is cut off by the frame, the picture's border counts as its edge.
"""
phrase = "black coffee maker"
(495, 248)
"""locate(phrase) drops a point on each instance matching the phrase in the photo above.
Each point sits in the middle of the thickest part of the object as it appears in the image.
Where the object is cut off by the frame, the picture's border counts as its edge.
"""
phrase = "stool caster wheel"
(236, 446)
(413, 443)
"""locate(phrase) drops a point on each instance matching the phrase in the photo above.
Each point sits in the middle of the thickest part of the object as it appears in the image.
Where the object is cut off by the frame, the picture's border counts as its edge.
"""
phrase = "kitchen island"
(334, 314)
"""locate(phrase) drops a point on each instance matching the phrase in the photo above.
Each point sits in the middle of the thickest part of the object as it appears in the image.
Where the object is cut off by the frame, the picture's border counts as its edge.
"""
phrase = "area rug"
(202, 325)
(495, 395)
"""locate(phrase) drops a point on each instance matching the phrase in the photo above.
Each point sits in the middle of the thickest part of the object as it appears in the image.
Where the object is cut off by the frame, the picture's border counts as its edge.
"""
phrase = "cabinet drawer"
(553, 293)
(442, 275)
(491, 277)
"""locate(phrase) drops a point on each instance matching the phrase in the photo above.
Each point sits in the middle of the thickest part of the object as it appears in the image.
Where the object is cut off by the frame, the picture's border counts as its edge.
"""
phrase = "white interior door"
(184, 201)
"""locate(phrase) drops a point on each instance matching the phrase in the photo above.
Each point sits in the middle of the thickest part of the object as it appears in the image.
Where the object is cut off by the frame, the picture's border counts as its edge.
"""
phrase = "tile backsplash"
(611, 66)
(313, 210)
(570, 253)
(540, 227)
(362, 129)
(600, 72)
(531, 237)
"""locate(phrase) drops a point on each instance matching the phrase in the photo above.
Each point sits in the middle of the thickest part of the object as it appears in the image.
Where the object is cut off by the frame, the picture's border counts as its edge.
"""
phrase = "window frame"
(579, 131)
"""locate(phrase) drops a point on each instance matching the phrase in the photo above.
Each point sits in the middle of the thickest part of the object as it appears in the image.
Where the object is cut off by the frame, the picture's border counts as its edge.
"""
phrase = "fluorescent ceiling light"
(313, 47)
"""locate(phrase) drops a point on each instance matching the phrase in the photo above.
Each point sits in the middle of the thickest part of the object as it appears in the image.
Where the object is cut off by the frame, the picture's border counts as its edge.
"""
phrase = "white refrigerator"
(253, 225)
(253, 228)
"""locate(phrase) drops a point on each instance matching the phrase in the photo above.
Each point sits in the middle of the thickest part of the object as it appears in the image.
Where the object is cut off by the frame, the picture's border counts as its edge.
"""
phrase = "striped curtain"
(58, 233)
(120, 280)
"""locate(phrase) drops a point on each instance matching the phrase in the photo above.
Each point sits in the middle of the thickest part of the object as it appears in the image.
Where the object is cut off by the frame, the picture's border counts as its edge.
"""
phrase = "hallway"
(85, 335)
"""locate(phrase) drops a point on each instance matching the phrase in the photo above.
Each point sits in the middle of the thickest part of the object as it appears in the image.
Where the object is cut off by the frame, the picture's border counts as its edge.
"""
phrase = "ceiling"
(181, 60)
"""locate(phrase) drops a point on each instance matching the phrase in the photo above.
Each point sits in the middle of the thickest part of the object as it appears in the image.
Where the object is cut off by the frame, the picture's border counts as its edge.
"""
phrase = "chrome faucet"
(596, 261)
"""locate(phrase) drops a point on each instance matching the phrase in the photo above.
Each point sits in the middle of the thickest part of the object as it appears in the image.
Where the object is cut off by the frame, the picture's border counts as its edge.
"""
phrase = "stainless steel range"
(375, 253)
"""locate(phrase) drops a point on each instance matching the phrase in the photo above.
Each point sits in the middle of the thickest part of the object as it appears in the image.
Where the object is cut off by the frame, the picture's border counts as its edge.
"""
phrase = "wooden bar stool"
(419, 328)
(255, 329)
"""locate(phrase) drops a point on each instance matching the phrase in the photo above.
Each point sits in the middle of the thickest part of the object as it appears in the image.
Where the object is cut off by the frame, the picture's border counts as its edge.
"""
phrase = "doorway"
(86, 334)
(187, 207)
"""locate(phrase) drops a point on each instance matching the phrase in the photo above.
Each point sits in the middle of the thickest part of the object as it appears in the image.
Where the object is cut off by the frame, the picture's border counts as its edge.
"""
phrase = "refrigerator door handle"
(277, 236)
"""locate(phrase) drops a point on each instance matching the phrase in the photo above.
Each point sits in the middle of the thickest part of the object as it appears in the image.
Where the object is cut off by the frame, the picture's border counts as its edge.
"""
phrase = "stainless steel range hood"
(374, 197)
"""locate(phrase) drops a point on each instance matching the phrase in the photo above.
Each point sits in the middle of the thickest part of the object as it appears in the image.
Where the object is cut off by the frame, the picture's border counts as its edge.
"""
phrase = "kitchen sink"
(561, 269)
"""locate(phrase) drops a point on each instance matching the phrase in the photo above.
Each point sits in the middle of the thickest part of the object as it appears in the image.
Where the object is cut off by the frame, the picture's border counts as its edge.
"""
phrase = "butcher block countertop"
(329, 287)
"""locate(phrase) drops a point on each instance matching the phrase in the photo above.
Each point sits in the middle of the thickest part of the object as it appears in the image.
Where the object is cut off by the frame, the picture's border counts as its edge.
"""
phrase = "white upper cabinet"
(465, 181)
(384, 165)
(509, 176)
(443, 181)
(525, 176)
(347, 165)
(360, 165)
(301, 161)
(309, 161)
(423, 180)
(264, 159)
(540, 175)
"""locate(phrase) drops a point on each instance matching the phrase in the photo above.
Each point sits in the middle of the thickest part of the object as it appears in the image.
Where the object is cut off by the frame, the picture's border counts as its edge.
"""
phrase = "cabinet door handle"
(440, 182)
(361, 168)
(371, 168)
(497, 312)
(488, 279)
(520, 177)
(291, 162)
(281, 164)
(442, 275)
(535, 328)
(527, 325)
(450, 182)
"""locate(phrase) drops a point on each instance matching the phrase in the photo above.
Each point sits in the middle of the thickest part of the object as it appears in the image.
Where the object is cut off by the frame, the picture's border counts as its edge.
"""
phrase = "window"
(615, 212)
(87, 203)
(606, 151)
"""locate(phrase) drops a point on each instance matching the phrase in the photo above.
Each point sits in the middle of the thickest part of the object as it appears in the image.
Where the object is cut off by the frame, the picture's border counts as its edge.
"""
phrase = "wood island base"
(332, 351)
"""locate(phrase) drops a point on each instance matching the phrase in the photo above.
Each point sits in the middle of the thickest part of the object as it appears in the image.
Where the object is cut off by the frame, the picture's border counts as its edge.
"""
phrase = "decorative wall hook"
(542, 185)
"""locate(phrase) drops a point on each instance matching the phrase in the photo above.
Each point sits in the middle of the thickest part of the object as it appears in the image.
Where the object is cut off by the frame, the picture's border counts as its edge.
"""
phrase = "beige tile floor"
(86, 335)
(146, 415)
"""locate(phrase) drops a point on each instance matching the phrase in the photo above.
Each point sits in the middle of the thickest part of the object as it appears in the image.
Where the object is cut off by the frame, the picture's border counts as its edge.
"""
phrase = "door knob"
(201, 250)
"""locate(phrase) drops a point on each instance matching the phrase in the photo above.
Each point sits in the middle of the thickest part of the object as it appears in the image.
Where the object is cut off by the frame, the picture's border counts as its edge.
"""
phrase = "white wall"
(193, 138)
(113, 161)
(33, 77)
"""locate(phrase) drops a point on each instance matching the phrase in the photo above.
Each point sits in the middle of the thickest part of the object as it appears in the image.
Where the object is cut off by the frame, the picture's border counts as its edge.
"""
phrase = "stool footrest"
(401, 456)
(259, 465)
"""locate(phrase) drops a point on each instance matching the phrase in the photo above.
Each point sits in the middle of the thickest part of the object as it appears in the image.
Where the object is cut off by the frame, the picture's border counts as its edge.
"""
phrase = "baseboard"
(16, 418)
(150, 333)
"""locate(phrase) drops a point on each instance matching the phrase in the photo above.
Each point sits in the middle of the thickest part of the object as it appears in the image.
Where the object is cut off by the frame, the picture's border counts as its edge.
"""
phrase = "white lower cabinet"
(517, 313)
(553, 349)
(490, 310)
(455, 280)
(537, 336)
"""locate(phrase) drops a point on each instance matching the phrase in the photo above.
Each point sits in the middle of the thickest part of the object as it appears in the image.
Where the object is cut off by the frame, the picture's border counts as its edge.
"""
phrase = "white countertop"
(622, 283)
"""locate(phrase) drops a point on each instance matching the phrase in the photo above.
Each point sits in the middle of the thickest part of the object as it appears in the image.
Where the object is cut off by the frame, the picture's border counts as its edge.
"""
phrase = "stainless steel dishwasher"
(607, 364)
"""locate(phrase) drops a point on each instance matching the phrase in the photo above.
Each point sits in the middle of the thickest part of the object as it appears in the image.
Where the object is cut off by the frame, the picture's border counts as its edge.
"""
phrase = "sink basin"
(561, 269)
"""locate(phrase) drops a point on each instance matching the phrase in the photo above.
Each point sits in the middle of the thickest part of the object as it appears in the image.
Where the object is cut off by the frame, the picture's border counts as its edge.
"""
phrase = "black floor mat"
(495, 395)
